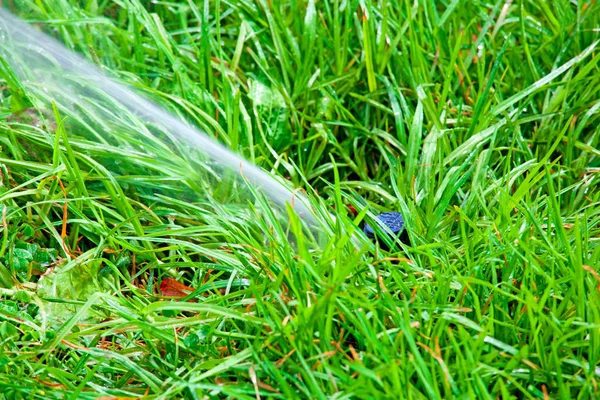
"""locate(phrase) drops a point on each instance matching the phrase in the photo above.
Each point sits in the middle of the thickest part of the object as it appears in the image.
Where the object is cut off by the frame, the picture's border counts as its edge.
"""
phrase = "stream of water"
(108, 110)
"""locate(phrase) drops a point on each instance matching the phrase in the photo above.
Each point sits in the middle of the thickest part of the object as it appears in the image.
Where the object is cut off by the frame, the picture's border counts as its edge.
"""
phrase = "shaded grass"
(478, 122)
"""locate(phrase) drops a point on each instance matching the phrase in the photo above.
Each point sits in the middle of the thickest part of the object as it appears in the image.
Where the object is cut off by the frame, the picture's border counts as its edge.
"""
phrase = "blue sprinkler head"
(394, 222)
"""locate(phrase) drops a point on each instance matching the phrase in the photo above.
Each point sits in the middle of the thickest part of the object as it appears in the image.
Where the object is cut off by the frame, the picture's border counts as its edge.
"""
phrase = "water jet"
(113, 116)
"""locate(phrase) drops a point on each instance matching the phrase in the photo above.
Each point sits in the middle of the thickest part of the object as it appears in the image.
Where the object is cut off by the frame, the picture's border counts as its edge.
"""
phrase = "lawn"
(136, 262)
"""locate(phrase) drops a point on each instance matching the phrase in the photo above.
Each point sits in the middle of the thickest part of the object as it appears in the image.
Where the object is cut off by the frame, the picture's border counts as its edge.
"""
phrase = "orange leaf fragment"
(171, 288)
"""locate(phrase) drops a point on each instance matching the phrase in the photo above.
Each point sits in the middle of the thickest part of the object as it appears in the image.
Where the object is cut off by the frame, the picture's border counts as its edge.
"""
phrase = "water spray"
(105, 109)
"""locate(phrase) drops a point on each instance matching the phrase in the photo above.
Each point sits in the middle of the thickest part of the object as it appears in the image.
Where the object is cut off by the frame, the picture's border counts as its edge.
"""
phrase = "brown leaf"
(171, 288)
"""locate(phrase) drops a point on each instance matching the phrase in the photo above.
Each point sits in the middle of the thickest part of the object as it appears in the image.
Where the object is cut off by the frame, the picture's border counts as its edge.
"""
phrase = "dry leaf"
(171, 288)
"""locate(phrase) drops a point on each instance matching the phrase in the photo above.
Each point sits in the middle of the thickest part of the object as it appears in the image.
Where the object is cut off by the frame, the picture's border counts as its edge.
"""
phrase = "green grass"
(479, 121)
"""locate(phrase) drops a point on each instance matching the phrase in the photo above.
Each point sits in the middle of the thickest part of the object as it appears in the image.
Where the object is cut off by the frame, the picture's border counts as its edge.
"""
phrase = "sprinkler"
(394, 222)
